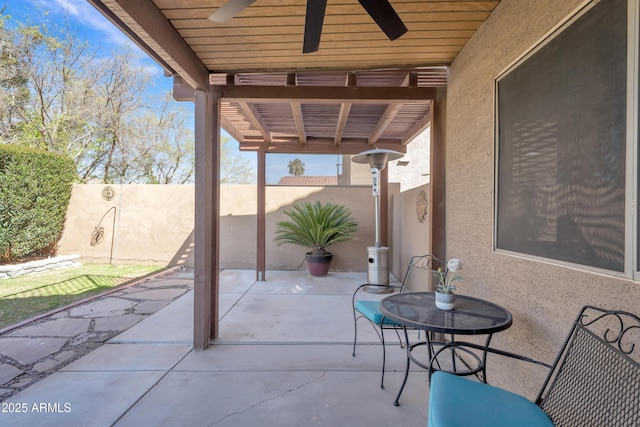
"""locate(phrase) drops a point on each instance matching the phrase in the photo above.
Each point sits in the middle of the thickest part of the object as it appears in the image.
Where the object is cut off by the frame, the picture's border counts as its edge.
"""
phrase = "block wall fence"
(153, 224)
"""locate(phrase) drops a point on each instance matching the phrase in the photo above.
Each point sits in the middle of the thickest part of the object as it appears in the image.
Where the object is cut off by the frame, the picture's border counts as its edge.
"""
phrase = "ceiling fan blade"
(313, 25)
(229, 10)
(385, 16)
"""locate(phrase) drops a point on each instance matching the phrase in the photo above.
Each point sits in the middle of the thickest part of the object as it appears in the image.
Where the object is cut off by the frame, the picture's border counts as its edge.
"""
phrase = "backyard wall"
(543, 298)
(141, 224)
(410, 235)
(153, 224)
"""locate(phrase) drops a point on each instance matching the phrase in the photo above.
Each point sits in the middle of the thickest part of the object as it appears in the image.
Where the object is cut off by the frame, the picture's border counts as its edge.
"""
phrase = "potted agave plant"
(316, 226)
(445, 296)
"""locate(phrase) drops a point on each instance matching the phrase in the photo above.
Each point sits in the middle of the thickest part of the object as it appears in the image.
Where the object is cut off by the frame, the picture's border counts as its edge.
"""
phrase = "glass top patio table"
(471, 316)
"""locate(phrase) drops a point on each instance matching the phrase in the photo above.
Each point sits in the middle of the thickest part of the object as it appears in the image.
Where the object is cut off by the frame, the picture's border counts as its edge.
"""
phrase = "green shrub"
(35, 187)
(316, 226)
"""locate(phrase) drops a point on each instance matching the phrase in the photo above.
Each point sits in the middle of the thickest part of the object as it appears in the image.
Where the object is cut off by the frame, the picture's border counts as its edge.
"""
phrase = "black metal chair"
(370, 308)
(594, 381)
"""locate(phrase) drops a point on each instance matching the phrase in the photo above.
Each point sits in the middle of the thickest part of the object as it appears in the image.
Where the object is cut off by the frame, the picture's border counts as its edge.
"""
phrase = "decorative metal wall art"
(422, 203)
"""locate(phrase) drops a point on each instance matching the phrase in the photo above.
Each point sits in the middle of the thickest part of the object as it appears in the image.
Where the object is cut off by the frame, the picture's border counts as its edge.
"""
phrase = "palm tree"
(296, 167)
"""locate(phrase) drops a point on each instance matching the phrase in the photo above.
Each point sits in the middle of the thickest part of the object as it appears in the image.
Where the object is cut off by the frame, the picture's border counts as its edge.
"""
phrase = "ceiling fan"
(380, 10)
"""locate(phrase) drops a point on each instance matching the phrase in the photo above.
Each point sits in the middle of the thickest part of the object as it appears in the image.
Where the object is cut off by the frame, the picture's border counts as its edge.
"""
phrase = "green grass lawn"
(27, 296)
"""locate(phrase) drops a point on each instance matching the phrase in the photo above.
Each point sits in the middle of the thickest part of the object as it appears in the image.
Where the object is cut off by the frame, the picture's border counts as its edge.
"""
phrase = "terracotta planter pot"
(319, 264)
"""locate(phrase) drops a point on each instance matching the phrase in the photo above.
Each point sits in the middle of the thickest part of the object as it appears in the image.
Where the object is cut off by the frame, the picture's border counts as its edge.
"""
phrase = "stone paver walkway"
(34, 350)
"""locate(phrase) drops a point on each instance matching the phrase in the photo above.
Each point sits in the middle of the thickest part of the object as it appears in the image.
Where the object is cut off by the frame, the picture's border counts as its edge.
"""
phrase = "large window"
(562, 141)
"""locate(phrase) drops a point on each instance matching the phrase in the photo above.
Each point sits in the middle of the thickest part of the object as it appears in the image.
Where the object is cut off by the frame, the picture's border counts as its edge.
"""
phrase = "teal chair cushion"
(460, 402)
(371, 310)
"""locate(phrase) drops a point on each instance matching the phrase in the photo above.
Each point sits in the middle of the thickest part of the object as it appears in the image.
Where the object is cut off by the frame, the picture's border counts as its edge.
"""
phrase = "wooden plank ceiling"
(388, 100)
(268, 35)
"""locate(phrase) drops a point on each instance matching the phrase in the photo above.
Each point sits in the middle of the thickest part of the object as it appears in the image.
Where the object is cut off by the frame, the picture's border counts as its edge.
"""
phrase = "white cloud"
(84, 14)
(72, 7)
(153, 70)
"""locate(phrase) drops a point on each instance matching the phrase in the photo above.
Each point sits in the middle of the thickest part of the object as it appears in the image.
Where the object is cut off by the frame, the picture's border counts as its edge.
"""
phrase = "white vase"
(445, 301)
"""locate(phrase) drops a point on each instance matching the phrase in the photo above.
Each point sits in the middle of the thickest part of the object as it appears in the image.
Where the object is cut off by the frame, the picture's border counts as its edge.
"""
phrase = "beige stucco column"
(207, 210)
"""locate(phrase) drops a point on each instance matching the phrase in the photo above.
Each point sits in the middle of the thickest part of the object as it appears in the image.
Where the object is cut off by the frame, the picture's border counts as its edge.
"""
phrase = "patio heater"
(378, 255)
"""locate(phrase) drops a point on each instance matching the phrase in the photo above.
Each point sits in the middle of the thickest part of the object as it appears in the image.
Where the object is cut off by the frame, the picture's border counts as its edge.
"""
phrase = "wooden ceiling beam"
(345, 108)
(231, 129)
(326, 95)
(254, 117)
(296, 109)
(387, 117)
(182, 91)
(421, 124)
(319, 146)
(149, 29)
(390, 113)
(350, 81)
(416, 129)
(323, 65)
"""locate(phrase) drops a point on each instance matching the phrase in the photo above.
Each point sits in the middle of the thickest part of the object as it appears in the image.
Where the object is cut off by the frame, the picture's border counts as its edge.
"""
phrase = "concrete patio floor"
(283, 359)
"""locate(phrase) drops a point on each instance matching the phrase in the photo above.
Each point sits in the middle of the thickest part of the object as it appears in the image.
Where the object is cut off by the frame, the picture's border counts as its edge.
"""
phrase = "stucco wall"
(348, 256)
(543, 298)
(411, 237)
(154, 224)
(142, 224)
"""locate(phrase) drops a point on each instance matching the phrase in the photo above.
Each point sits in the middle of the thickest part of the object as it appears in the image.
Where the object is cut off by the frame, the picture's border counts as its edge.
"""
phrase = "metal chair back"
(595, 379)
(421, 269)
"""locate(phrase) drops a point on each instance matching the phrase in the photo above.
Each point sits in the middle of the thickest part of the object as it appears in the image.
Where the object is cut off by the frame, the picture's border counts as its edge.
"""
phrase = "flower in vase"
(447, 277)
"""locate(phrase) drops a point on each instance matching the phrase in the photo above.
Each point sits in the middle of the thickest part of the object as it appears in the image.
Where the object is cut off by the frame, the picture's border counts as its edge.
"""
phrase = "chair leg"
(431, 352)
(380, 335)
(406, 372)
(355, 332)
(384, 358)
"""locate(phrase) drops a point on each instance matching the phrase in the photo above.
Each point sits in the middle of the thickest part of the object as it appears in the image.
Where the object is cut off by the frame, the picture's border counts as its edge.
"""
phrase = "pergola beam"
(230, 128)
(390, 113)
(417, 128)
(254, 117)
(318, 146)
(149, 29)
(387, 117)
(345, 108)
(326, 95)
(296, 109)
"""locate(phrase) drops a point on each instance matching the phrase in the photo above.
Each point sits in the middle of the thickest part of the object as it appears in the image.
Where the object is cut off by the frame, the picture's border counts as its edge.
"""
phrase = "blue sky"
(91, 24)
(103, 35)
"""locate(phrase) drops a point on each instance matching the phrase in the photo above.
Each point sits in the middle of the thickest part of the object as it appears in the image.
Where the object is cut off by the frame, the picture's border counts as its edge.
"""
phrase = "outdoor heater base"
(378, 289)
(378, 271)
